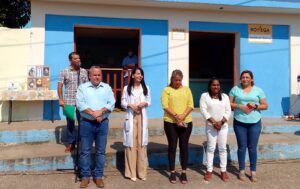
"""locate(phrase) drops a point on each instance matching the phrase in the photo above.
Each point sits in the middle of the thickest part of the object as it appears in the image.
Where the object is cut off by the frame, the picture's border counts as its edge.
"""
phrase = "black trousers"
(174, 133)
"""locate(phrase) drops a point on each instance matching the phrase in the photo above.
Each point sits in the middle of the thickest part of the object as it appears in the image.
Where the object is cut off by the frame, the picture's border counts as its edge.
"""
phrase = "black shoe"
(183, 178)
(172, 178)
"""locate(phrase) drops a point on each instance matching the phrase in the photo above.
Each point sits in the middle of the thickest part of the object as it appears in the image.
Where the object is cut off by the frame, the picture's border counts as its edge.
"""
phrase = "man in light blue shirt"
(128, 63)
(95, 100)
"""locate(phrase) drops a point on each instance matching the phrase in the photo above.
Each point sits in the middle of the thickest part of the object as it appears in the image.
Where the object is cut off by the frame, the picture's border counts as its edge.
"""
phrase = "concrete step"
(45, 131)
(51, 156)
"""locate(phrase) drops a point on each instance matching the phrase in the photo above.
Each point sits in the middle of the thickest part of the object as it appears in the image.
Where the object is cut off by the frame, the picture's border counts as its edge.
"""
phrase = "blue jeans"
(71, 135)
(90, 131)
(247, 135)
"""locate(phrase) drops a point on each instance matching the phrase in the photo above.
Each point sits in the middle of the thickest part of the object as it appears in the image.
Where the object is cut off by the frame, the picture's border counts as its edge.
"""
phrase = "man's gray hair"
(94, 67)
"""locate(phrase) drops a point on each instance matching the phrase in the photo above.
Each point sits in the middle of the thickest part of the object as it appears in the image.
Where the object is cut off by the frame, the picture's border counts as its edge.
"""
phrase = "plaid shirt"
(69, 79)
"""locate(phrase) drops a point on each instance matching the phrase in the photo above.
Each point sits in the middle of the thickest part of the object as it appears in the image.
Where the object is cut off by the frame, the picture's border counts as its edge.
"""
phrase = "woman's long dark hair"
(131, 82)
(209, 88)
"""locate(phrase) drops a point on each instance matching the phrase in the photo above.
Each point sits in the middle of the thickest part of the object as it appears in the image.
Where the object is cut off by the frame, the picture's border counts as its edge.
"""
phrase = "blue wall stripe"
(270, 63)
(154, 51)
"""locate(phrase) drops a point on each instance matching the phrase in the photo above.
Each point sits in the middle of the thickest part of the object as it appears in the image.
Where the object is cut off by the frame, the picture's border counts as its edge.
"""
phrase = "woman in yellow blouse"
(177, 102)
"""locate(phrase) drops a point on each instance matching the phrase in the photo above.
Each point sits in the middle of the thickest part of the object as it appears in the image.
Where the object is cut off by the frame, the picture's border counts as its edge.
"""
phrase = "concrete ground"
(272, 175)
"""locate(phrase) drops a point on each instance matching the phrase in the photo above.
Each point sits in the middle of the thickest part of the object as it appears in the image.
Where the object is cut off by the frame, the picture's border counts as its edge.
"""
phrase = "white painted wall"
(16, 52)
(177, 18)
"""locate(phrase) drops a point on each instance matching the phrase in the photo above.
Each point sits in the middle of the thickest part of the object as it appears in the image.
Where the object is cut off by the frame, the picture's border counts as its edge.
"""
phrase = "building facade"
(203, 38)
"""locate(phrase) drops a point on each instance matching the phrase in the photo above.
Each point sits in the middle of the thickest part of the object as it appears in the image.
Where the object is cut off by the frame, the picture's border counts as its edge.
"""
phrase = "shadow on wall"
(291, 105)
(4, 111)
(230, 167)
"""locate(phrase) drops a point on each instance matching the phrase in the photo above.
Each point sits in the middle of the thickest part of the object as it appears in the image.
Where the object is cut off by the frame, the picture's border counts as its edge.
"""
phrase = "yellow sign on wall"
(260, 33)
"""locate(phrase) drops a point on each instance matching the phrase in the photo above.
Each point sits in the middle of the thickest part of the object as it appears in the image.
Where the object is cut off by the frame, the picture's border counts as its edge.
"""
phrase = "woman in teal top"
(247, 101)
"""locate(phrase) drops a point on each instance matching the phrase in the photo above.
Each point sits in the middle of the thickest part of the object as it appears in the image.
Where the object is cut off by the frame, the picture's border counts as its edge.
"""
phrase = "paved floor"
(272, 175)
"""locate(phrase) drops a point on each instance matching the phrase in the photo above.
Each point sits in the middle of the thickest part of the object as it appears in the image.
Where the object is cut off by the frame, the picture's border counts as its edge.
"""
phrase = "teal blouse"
(254, 96)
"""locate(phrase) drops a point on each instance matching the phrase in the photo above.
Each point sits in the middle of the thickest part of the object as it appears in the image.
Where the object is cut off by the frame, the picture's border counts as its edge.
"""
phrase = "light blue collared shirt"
(95, 98)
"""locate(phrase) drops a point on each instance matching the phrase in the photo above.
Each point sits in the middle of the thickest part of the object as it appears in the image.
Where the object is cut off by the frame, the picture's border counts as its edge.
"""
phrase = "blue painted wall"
(154, 51)
(270, 63)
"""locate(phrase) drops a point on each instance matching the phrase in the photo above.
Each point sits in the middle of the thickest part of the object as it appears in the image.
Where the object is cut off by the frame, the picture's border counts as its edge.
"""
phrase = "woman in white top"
(135, 99)
(215, 107)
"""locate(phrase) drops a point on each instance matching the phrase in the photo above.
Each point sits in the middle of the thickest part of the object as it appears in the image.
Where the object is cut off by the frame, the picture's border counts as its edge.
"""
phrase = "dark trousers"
(71, 134)
(174, 133)
(247, 135)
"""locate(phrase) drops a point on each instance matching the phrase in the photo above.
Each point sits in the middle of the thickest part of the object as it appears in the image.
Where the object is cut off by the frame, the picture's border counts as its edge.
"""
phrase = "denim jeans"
(247, 135)
(90, 132)
(71, 135)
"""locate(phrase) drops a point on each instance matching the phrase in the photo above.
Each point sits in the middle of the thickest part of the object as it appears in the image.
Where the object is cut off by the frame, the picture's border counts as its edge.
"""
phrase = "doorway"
(107, 47)
(211, 55)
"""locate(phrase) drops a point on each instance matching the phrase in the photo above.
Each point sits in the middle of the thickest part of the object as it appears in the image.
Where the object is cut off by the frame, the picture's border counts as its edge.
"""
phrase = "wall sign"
(259, 33)
(178, 34)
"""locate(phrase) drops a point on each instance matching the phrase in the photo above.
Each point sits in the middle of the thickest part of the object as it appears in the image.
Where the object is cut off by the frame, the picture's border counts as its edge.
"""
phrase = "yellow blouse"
(178, 100)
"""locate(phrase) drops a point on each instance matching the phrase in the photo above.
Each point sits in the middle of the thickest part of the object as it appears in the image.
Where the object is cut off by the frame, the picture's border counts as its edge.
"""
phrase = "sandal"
(253, 177)
(183, 178)
(172, 178)
(242, 175)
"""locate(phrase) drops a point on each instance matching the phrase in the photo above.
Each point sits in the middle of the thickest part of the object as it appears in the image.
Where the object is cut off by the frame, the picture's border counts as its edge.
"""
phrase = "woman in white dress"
(215, 108)
(135, 99)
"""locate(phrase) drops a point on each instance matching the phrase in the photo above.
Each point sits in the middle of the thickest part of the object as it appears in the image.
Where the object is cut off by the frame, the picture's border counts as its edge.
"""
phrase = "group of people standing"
(95, 100)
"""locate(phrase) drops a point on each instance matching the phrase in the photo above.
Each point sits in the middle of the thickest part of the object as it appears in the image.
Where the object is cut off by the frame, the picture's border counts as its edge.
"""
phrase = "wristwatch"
(256, 106)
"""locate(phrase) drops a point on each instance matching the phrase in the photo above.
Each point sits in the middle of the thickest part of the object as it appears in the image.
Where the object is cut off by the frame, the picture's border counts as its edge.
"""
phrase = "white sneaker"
(144, 179)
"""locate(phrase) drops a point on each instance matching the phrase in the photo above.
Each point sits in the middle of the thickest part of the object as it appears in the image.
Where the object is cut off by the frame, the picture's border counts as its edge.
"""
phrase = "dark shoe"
(208, 176)
(224, 176)
(99, 183)
(70, 148)
(172, 178)
(183, 178)
(84, 183)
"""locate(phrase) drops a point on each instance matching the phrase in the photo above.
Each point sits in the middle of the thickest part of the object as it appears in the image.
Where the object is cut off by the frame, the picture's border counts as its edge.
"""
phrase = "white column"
(179, 48)
(295, 67)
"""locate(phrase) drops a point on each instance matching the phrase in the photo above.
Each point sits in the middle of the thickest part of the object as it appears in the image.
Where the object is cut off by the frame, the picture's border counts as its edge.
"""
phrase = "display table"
(29, 95)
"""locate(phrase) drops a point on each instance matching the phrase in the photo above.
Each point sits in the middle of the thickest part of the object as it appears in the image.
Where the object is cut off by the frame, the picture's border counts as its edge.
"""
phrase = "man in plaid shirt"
(70, 78)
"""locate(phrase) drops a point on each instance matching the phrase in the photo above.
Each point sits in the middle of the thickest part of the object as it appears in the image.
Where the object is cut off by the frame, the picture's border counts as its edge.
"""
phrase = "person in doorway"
(177, 103)
(247, 101)
(215, 108)
(71, 77)
(128, 63)
(135, 99)
(95, 100)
